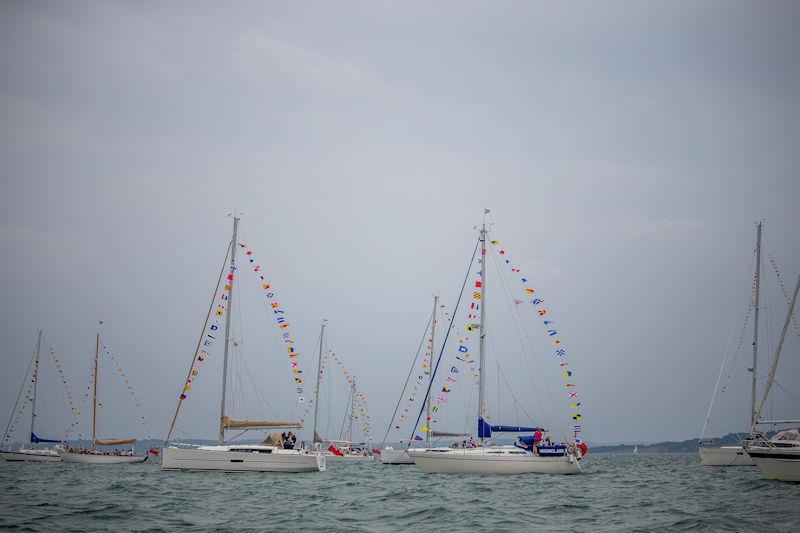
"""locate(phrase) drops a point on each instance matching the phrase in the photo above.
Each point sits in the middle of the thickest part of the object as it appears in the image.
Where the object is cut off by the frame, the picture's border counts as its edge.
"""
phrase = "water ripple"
(627, 493)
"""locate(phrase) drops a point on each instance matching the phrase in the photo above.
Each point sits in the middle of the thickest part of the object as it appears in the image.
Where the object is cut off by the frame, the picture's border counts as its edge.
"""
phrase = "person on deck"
(537, 440)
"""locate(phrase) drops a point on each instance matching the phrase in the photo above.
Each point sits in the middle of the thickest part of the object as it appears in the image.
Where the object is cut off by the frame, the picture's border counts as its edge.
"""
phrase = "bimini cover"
(36, 439)
(485, 429)
(113, 442)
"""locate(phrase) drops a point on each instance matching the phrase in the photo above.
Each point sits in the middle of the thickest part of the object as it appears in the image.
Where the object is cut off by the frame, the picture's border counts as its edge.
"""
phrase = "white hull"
(390, 456)
(32, 455)
(227, 459)
(100, 459)
(774, 463)
(494, 460)
(724, 456)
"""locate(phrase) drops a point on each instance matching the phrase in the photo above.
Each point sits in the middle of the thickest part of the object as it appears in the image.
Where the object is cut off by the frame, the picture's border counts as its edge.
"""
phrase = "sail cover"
(113, 442)
(36, 439)
(231, 423)
(485, 429)
(448, 434)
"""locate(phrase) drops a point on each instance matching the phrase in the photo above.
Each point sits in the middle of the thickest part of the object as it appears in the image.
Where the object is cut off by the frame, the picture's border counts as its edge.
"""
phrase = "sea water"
(616, 492)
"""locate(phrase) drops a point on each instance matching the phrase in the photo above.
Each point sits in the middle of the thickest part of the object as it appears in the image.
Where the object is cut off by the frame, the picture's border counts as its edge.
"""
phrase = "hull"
(390, 456)
(100, 459)
(226, 460)
(32, 455)
(725, 456)
(783, 465)
(492, 461)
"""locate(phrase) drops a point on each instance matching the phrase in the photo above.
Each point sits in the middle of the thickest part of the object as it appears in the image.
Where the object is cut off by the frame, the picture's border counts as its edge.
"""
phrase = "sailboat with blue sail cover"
(529, 454)
(31, 453)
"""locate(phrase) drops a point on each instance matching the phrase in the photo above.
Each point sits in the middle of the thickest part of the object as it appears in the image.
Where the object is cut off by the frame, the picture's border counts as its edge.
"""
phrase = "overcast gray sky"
(624, 148)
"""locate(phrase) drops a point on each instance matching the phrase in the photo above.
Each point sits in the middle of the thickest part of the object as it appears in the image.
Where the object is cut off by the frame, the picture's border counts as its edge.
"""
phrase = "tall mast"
(319, 375)
(352, 410)
(482, 331)
(430, 375)
(231, 273)
(35, 382)
(94, 394)
(755, 326)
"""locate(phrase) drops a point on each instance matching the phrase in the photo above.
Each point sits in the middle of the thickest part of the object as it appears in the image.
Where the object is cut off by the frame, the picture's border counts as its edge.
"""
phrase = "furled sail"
(113, 442)
(448, 434)
(35, 438)
(231, 423)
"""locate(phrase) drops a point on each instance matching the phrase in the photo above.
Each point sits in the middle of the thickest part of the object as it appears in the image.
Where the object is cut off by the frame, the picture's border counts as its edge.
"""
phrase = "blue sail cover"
(36, 439)
(485, 429)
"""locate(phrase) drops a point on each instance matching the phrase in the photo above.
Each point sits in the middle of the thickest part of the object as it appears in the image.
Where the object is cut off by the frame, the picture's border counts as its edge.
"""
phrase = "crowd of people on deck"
(289, 440)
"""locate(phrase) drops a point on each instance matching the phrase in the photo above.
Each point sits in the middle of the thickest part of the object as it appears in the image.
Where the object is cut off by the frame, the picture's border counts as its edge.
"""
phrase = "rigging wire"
(742, 305)
(516, 312)
(279, 349)
(447, 335)
(515, 401)
(24, 382)
(408, 378)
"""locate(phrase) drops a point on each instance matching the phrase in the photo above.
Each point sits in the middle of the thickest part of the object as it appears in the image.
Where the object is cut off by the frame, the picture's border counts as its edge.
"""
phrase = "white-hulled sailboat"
(32, 453)
(93, 455)
(779, 457)
(399, 456)
(735, 455)
(342, 449)
(486, 458)
(269, 456)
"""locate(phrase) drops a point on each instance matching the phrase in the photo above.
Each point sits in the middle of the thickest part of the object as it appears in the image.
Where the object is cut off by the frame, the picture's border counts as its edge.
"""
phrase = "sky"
(625, 150)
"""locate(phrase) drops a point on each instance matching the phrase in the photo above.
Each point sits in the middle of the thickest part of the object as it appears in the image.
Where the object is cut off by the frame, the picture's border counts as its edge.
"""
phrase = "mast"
(94, 394)
(430, 375)
(35, 382)
(352, 411)
(319, 375)
(775, 359)
(482, 331)
(228, 330)
(755, 326)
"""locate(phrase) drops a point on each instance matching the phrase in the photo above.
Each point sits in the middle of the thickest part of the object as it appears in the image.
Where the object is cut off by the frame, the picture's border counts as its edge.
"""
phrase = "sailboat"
(270, 456)
(486, 458)
(635, 449)
(779, 457)
(736, 455)
(33, 453)
(399, 456)
(93, 455)
(342, 449)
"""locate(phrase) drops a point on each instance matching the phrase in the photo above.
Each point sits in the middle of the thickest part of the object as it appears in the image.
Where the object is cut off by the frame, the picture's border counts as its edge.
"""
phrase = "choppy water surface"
(645, 492)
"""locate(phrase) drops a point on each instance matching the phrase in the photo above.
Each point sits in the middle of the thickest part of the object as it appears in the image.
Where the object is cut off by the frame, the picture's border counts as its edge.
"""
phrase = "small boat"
(529, 455)
(270, 456)
(32, 453)
(94, 455)
(636, 449)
